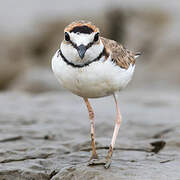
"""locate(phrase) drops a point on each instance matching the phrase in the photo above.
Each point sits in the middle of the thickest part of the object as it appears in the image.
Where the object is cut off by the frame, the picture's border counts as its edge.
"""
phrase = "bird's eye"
(66, 36)
(96, 37)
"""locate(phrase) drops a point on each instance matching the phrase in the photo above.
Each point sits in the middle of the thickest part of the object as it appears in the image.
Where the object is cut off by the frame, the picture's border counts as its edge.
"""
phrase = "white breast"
(99, 79)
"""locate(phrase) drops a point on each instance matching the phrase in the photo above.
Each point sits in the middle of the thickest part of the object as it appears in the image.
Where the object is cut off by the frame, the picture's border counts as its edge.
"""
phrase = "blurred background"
(49, 126)
(31, 32)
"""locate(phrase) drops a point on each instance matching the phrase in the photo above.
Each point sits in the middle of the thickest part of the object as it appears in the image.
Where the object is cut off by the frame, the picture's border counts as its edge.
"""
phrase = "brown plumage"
(120, 55)
(81, 23)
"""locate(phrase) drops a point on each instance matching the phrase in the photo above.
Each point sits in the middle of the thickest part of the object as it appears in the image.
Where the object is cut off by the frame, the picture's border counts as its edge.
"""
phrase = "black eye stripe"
(89, 45)
(73, 44)
(76, 47)
(96, 37)
(66, 36)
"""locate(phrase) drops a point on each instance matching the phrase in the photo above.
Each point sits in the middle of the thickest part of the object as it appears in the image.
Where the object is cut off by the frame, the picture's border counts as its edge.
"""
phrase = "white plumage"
(101, 78)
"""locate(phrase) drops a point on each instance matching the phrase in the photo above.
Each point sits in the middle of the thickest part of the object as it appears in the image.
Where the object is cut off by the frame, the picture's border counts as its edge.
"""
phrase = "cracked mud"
(47, 136)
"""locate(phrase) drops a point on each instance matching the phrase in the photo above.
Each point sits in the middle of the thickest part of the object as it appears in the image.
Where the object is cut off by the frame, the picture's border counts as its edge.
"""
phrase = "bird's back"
(120, 55)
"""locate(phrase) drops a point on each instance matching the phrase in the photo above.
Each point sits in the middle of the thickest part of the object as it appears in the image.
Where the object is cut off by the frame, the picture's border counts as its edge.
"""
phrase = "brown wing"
(120, 55)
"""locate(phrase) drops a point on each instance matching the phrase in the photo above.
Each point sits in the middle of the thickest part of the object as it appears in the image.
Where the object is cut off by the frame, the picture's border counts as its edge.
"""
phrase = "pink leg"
(115, 133)
(91, 117)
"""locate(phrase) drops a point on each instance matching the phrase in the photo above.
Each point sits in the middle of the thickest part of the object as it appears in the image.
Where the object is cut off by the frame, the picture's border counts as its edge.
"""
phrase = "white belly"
(101, 78)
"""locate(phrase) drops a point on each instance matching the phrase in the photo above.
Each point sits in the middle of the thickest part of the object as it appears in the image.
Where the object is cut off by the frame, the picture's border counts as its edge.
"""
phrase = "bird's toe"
(105, 162)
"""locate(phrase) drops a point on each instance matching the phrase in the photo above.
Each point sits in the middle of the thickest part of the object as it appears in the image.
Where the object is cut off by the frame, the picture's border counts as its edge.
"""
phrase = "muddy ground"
(47, 136)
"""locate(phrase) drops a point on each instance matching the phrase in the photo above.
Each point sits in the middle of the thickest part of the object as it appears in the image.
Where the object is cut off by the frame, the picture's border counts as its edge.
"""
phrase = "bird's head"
(81, 42)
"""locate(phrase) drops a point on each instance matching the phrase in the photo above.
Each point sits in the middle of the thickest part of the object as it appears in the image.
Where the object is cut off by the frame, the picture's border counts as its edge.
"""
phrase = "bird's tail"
(137, 54)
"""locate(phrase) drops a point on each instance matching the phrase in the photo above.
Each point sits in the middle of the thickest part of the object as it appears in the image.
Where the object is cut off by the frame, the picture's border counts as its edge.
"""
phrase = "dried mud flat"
(47, 136)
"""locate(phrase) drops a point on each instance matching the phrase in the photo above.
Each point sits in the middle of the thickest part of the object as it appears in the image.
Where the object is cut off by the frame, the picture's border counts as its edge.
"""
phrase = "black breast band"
(80, 65)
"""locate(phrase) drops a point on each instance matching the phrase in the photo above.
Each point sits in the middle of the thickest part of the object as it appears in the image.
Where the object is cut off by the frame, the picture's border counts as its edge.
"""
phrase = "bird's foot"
(108, 163)
(95, 162)
(93, 157)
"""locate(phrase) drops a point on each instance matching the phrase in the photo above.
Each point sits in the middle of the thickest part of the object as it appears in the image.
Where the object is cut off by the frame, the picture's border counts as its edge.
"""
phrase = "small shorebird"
(92, 66)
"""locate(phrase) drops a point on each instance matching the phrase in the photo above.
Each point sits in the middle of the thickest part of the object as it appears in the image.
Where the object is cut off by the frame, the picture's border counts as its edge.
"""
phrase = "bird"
(92, 66)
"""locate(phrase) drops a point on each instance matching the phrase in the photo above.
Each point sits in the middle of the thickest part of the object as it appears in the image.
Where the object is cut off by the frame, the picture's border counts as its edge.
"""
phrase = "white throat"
(71, 54)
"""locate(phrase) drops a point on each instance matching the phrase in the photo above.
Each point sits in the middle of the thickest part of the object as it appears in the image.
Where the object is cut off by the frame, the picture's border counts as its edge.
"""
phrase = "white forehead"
(81, 38)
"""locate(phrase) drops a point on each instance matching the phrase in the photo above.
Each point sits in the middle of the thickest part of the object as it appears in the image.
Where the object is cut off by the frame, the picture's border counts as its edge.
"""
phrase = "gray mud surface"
(47, 136)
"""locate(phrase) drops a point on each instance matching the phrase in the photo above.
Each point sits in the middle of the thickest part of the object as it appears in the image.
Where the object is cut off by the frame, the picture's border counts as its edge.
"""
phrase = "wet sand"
(47, 136)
